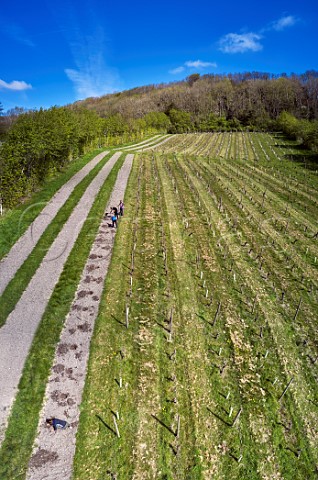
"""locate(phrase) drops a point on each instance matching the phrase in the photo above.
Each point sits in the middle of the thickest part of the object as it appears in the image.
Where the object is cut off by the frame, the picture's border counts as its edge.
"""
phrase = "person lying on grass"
(57, 424)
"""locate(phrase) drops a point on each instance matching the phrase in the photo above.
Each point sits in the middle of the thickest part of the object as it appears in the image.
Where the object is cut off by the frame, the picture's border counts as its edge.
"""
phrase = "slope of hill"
(250, 97)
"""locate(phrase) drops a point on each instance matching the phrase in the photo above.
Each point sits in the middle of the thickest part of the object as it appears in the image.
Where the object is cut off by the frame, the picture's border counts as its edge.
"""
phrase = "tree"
(180, 121)
(191, 79)
(158, 121)
(40, 142)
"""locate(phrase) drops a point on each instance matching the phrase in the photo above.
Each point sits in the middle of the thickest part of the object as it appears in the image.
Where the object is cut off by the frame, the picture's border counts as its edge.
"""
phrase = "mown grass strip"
(15, 222)
(16, 287)
(192, 389)
(145, 307)
(21, 431)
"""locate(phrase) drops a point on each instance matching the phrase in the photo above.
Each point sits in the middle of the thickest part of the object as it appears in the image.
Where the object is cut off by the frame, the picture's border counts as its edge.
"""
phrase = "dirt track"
(53, 453)
(17, 334)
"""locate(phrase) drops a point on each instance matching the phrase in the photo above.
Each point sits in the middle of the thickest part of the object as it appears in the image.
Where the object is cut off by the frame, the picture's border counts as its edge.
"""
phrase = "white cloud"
(244, 42)
(91, 77)
(284, 22)
(177, 70)
(15, 85)
(240, 43)
(199, 64)
(90, 84)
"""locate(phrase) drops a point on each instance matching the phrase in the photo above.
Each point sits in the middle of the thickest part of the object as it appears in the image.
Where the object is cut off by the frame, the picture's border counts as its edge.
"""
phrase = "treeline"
(305, 131)
(39, 143)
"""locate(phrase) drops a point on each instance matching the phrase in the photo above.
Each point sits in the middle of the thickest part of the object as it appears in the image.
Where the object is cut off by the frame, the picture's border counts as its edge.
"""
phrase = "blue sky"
(56, 52)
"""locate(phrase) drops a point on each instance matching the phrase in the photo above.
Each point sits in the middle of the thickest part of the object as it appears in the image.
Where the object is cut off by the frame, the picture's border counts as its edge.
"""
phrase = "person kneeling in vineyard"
(57, 424)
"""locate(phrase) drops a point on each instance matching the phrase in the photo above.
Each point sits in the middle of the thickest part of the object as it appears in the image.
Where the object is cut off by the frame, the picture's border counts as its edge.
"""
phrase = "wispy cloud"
(282, 23)
(251, 41)
(91, 77)
(197, 64)
(177, 70)
(240, 42)
(17, 33)
(15, 85)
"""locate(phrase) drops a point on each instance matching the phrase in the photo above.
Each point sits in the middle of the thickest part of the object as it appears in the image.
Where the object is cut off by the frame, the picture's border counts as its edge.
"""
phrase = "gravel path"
(53, 454)
(24, 246)
(17, 334)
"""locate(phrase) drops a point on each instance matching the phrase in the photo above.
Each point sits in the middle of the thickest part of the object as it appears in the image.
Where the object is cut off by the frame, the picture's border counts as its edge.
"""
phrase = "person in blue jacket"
(57, 424)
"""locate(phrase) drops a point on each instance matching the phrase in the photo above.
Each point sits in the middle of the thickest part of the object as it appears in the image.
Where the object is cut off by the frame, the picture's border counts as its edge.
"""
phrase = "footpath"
(17, 334)
(53, 454)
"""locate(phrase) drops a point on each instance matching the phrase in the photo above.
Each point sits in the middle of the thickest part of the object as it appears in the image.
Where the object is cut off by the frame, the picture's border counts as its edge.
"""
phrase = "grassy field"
(204, 358)
(204, 361)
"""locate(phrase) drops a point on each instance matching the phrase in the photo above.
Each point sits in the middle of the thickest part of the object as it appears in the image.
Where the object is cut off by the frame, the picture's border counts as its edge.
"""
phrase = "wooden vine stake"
(237, 417)
(116, 426)
(127, 316)
(178, 427)
(197, 259)
(254, 303)
(170, 326)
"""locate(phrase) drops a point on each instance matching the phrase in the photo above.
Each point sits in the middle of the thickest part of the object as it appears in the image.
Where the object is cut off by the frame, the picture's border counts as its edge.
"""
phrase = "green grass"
(174, 228)
(18, 284)
(173, 192)
(300, 435)
(17, 446)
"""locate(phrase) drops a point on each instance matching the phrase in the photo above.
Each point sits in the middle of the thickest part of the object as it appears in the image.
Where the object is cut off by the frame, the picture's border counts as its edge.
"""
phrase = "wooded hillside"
(252, 98)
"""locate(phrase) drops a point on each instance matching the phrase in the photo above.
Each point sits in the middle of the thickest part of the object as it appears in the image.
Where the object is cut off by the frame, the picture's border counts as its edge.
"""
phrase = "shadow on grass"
(118, 321)
(308, 160)
(163, 424)
(219, 418)
(105, 425)
(163, 326)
